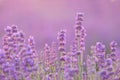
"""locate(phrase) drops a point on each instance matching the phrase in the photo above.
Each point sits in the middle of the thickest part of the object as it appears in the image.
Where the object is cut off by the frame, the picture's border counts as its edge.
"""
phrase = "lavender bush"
(19, 59)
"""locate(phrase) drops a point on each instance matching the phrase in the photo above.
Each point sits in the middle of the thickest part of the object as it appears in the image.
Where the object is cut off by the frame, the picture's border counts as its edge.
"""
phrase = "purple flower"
(113, 46)
(62, 41)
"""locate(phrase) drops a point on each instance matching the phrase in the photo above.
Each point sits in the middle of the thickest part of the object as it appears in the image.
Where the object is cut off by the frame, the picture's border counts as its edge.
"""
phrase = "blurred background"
(44, 18)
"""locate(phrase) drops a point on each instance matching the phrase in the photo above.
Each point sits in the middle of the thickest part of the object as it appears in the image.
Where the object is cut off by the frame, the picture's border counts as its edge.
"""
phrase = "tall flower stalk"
(61, 52)
(80, 34)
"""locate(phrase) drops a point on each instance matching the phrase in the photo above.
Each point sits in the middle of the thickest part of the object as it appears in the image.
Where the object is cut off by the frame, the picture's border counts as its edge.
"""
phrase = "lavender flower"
(29, 59)
(62, 41)
(61, 52)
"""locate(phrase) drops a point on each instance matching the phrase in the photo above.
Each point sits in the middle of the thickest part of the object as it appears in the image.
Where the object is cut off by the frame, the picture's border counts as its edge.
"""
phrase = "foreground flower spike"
(47, 55)
(61, 52)
(78, 28)
(114, 55)
(53, 56)
(18, 56)
(80, 32)
(62, 41)
(79, 43)
(113, 46)
(31, 46)
(104, 65)
(113, 49)
(91, 64)
(11, 48)
(29, 59)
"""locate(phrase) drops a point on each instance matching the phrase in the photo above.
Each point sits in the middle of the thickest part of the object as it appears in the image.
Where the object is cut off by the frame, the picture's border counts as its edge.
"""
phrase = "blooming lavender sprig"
(29, 59)
(14, 51)
(91, 63)
(96, 60)
(49, 57)
(61, 52)
(104, 65)
(46, 59)
(113, 49)
(53, 56)
(11, 47)
(113, 46)
(79, 32)
(114, 55)
(100, 56)
(70, 67)
(62, 41)
(79, 43)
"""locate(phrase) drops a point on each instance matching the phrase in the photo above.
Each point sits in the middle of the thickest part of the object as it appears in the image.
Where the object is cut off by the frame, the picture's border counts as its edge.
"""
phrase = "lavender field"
(59, 39)
(20, 60)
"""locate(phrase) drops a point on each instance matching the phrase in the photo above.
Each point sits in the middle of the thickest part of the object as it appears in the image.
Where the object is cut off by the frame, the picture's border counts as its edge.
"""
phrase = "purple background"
(44, 18)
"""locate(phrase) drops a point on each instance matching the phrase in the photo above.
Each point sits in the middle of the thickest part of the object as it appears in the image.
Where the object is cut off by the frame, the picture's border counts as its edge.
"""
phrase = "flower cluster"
(17, 56)
(19, 59)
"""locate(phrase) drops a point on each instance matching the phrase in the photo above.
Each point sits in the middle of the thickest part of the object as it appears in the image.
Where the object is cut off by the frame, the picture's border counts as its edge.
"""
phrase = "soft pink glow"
(44, 18)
